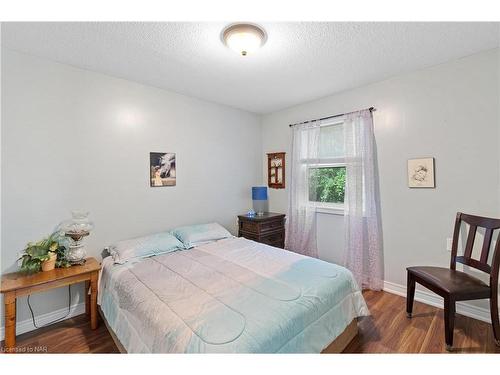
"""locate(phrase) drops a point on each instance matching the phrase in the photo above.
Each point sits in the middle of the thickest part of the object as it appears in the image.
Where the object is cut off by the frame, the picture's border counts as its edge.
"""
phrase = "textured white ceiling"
(300, 61)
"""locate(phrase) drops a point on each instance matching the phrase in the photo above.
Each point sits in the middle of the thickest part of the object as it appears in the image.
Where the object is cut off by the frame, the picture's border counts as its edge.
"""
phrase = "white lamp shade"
(244, 38)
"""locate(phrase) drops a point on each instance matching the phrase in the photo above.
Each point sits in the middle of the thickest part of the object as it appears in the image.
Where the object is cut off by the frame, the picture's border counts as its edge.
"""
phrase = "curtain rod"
(371, 109)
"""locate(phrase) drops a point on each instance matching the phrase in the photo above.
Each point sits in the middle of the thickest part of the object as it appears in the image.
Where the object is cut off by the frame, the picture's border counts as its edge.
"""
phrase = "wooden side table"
(268, 228)
(18, 284)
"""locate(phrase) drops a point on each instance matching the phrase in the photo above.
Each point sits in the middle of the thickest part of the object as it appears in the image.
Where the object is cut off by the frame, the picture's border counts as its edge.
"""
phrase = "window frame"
(327, 207)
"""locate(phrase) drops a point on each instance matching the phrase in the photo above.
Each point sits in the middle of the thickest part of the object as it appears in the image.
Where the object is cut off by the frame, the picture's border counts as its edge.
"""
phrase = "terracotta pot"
(49, 265)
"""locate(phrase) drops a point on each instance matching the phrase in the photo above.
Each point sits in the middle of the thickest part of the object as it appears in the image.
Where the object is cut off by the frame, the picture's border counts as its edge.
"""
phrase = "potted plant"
(44, 255)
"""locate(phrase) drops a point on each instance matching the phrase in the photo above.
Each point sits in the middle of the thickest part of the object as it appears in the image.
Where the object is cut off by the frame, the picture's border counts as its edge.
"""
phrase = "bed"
(229, 296)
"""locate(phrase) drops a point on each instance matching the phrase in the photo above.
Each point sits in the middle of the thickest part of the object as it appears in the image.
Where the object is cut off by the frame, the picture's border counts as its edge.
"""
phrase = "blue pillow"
(195, 235)
(140, 247)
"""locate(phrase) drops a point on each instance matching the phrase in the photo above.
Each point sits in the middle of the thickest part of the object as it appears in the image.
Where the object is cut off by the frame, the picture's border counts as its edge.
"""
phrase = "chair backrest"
(475, 222)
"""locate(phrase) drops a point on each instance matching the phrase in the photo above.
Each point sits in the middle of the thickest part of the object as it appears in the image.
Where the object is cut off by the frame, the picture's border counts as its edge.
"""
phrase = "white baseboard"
(432, 299)
(27, 325)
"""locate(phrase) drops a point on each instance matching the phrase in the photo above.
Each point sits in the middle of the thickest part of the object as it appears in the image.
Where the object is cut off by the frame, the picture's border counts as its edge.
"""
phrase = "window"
(327, 184)
(326, 177)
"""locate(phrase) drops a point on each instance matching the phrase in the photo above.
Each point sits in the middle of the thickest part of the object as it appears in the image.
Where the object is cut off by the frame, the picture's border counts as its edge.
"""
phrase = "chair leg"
(410, 295)
(449, 322)
(494, 317)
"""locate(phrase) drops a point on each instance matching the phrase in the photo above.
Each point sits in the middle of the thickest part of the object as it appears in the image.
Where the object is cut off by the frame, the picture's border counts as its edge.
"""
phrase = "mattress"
(230, 296)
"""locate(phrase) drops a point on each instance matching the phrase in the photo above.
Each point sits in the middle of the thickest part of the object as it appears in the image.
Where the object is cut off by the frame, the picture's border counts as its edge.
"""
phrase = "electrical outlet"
(449, 243)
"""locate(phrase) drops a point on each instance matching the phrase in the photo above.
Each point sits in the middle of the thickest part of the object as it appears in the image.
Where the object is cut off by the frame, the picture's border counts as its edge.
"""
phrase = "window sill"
(330, 210)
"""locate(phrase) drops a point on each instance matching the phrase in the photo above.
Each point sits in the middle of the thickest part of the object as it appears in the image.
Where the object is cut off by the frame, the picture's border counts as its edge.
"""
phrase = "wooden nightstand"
(268, 228)
(17, 284)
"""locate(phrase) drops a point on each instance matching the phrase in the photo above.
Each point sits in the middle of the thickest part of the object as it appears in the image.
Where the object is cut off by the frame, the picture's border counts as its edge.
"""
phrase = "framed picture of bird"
(421, 173)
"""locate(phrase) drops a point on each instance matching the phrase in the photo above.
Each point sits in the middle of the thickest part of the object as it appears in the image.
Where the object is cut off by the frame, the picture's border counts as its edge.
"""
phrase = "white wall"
(450, 112)
(72, 138)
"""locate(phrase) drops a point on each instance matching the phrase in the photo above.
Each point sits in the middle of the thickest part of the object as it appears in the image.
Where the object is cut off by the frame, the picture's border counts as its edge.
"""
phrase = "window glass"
(331, 141)
(327, 184)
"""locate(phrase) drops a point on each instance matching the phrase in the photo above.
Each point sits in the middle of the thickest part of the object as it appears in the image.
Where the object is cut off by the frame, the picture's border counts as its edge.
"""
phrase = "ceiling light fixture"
(243, 38)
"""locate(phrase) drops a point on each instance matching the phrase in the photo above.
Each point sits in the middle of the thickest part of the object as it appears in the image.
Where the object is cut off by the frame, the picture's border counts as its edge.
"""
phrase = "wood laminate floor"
(386, 331)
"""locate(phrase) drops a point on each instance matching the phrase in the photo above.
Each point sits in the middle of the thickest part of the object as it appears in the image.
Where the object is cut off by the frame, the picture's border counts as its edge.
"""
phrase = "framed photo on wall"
(162, 169)
(276, 170)
(421, 173)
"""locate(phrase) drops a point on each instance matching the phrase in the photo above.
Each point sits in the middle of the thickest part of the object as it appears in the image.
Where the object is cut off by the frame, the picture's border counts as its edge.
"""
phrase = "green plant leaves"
(36, 253)
(30, 265)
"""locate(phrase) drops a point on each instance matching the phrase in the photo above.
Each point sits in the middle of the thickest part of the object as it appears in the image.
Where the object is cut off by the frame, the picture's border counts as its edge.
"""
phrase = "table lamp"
(259, 197)
(76, 228)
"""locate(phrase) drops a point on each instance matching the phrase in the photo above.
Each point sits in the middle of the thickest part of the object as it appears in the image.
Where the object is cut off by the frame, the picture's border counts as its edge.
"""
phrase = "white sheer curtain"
(301, 216)
(363, 238)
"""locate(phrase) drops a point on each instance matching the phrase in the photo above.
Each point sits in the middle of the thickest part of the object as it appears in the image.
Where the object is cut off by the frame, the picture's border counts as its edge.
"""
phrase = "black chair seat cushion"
(451, 281)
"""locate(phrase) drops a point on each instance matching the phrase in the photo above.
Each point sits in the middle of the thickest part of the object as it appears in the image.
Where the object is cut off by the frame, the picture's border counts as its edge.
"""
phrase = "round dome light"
(244, 38)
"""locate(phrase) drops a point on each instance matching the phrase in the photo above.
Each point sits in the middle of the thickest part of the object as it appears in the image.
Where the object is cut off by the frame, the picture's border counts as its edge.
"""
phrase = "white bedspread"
(233, 295)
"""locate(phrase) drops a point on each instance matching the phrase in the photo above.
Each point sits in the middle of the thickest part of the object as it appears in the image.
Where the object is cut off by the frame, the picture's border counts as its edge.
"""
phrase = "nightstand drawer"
(249, 226)
(276, 239)
(249, 235)
(271, 225)
(273, 238)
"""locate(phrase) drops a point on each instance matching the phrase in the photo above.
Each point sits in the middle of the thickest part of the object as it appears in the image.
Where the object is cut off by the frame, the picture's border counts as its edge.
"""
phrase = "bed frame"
(112, 333)
(336, 346)
(340, 343)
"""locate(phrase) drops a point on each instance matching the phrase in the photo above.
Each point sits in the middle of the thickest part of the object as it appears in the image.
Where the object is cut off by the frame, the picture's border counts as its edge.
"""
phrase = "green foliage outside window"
(327, 184)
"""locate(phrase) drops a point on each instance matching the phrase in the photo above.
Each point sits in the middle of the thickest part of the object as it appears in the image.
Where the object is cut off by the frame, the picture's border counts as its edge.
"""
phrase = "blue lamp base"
(260, 206)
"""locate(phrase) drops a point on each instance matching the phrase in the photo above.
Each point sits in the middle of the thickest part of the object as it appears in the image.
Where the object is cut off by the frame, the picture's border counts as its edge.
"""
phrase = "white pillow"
(140, 247)
(195, 235)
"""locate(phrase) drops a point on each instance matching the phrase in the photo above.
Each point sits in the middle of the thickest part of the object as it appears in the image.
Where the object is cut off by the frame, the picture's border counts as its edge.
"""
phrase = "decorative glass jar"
(75, 229)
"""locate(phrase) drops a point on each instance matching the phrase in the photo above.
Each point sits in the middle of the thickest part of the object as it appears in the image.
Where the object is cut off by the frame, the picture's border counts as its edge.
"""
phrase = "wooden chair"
(454, 285)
